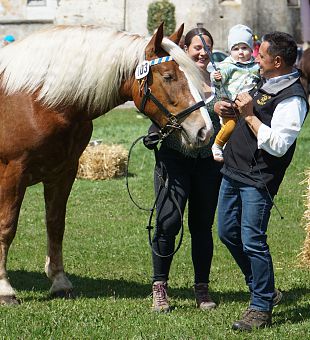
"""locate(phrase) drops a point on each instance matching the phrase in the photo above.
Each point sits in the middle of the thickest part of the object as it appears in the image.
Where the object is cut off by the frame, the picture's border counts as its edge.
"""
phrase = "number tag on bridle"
(142, 69)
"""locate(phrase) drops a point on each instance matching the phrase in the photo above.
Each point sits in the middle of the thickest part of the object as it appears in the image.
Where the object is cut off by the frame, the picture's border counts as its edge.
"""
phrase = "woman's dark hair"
(196, 31)
(283, 45)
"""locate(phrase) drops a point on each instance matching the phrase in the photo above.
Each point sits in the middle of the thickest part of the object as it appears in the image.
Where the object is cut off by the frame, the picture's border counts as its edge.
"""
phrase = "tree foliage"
(158, 12)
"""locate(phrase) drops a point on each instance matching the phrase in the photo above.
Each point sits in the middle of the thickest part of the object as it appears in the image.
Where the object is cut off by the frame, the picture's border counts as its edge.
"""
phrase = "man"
(255, 159)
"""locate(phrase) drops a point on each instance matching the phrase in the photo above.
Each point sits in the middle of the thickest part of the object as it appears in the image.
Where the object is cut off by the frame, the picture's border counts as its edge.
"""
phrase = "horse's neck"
(124, 94)
(126, 90)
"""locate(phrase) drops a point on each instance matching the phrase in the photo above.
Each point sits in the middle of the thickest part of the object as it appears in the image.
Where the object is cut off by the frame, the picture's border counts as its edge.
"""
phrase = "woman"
(194, 177)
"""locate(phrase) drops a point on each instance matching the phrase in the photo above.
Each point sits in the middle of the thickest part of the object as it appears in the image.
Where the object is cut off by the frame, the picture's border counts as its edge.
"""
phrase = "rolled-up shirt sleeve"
(286, 123)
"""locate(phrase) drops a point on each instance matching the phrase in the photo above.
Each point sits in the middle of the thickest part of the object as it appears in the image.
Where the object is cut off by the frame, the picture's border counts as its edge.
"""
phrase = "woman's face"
(196, 51)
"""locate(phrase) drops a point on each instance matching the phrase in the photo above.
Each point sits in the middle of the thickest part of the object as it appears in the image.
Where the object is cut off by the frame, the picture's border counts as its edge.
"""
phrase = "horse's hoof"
(9, 300)
(63, 294)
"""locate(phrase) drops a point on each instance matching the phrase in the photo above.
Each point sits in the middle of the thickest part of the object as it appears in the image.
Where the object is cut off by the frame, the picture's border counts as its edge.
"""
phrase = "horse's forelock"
(189, 67)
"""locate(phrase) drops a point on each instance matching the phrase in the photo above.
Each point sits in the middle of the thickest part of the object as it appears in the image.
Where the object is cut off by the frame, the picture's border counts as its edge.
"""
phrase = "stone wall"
(217, 16)
(18, 18)
(108, 13)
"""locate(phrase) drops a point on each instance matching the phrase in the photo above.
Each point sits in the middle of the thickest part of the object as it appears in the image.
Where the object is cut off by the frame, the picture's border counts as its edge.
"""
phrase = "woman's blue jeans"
(243, 215)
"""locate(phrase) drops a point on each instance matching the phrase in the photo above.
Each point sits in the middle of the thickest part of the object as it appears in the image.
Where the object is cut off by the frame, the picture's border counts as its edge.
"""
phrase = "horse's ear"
(154, 46)
(176, 36)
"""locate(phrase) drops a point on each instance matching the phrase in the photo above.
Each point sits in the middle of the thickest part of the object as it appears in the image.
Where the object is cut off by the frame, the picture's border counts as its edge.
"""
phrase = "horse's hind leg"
(56, 195)
(12, 190)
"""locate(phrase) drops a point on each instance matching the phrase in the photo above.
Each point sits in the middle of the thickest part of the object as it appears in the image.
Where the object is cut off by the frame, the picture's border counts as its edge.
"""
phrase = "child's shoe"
(217, 152)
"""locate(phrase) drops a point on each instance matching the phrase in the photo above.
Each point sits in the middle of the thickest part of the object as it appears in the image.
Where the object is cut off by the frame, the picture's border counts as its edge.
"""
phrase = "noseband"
(173, 119)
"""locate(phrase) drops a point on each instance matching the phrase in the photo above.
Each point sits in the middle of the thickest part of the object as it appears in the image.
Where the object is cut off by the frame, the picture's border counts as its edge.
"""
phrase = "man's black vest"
(243, 161)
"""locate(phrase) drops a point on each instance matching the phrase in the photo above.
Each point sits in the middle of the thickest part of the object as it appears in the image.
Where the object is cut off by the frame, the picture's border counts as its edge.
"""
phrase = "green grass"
(107, 257)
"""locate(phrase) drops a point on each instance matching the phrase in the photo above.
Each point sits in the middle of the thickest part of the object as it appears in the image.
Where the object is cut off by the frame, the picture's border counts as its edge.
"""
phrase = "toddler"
(237, 73)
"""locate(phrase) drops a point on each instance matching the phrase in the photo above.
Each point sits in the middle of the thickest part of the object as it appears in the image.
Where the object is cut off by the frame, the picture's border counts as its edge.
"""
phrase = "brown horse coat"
(52, 85)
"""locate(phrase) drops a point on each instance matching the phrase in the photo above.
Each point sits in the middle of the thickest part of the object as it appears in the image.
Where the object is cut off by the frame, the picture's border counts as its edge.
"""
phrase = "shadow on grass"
(86, 287)
(83, 286)
(293, 315)
(291, 311)
(230, 296)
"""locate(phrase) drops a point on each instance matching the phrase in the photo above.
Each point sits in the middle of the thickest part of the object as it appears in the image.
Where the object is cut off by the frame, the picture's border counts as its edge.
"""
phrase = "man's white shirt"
(286, 123)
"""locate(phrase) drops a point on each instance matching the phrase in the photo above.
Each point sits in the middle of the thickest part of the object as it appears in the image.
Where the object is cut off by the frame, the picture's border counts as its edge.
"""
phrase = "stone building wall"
(19, 17)
(217, 16)
(108, 13)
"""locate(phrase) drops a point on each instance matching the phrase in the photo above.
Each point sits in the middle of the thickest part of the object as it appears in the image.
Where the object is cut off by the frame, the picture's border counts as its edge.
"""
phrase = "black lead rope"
(127, 176)
(151, 141)
(206, 48)
(164, 185)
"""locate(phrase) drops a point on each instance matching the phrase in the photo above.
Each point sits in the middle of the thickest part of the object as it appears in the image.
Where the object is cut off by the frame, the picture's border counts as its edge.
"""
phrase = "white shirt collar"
(275, 80)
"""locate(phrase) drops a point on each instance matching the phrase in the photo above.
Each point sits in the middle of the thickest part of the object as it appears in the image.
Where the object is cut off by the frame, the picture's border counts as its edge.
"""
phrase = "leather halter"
(173, 119)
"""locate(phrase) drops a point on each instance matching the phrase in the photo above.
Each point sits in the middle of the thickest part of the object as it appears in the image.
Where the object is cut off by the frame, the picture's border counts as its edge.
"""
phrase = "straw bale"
(101, 161)
(304, 256)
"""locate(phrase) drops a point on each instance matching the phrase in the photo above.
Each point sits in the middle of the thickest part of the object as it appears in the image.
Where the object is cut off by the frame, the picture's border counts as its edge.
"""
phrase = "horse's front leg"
(56, 196)
(12, 190)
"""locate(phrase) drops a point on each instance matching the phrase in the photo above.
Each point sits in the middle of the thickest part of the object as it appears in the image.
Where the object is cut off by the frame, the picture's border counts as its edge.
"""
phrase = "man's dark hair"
(195, 31)
(283, 45)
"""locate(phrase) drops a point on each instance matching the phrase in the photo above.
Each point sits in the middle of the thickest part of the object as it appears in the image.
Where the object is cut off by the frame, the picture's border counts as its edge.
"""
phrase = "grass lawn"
(107, 258)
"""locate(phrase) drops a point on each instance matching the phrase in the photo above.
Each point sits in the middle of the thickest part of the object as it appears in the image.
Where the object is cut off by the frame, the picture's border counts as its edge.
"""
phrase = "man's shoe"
(277, 297)
(203, 298)
(160, 297)
(252, 319)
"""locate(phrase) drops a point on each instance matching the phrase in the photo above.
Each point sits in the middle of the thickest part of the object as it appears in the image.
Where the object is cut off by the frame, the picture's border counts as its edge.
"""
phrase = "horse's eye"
(167, 76)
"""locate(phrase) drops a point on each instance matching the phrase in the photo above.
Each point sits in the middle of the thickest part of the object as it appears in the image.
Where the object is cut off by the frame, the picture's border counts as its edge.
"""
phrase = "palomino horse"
(304, 65)
(53, 83)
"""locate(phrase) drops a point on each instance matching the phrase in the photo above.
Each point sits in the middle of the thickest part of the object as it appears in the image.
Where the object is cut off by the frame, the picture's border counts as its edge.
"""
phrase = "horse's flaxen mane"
(79, 64)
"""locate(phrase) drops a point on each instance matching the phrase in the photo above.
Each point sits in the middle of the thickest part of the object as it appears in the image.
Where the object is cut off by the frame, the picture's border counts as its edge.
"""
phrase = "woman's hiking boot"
(160, 297)
(203, 299)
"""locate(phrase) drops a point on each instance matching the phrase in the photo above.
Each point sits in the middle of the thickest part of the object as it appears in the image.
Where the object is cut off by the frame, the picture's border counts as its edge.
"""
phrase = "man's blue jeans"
(243, 215)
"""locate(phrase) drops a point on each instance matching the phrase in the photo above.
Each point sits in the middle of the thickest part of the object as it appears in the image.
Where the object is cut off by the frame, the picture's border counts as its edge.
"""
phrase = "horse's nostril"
(202, 134)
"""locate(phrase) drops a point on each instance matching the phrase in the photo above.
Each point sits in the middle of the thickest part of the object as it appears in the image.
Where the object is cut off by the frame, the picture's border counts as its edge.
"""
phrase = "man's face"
(266, 62)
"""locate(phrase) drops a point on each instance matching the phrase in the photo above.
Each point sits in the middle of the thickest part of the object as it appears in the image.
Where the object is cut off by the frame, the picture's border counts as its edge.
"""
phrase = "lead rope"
(164, 184)
(206, 48)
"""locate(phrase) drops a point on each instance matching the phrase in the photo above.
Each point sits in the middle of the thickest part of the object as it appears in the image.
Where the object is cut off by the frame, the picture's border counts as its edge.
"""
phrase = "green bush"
(158, 12)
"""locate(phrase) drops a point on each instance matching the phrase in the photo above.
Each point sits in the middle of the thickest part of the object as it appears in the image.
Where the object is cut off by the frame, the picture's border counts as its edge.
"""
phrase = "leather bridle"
(151, 141)
(174, 120)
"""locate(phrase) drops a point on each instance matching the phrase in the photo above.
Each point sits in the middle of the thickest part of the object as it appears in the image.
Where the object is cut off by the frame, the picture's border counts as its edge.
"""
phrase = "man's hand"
(245, 106)
(226, 109)
(244, 103)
